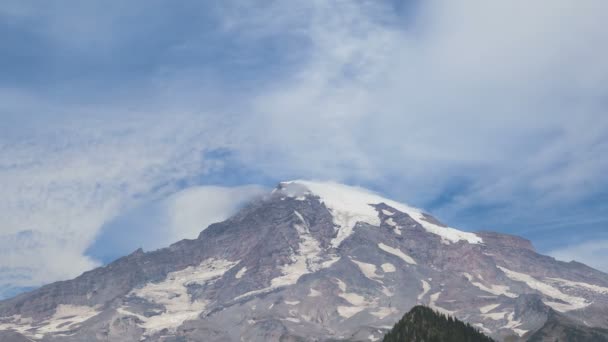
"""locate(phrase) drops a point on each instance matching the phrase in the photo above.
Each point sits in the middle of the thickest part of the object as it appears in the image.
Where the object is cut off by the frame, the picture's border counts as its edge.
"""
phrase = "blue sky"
(135, 124)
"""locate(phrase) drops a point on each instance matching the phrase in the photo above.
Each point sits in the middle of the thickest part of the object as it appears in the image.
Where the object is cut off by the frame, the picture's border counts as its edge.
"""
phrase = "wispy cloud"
(462, 91)
(190, 211)
(62, 185)
(182, 215)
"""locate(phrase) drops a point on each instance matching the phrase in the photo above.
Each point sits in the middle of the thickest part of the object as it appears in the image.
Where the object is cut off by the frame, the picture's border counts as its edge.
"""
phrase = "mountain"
(422, 324)
(559, 328)
(314, 261)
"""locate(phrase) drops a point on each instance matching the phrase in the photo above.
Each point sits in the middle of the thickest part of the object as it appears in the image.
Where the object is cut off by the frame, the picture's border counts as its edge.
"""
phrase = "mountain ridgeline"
(558, 328)
(423, 324)
(318, 261)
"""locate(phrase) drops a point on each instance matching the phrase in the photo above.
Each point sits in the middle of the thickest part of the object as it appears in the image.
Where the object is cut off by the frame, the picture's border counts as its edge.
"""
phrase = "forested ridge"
(422, 324)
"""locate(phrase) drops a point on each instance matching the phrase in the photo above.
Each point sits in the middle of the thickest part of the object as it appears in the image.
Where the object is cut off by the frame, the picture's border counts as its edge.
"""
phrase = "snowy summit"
(352, 204)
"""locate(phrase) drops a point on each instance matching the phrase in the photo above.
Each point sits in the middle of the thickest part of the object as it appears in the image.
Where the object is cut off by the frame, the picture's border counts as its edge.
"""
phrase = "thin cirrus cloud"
(498, 104)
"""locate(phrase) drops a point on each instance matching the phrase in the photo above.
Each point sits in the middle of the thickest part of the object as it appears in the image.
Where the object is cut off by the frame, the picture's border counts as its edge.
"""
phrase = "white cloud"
(64, 182)
(592, 253)
(190, 211)
(182, 215)
(497, 93)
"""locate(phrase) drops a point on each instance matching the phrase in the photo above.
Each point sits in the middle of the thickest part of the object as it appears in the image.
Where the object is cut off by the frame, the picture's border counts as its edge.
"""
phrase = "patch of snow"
(387, 213)
(512, 324)
(573, 303)
(349, 311)
(387, 292)
(433, 305)
(493, 289)
(292, 319)
(497, 316)
(341, 284)
(398, 253)
(488, 308)
(580, 285)
(125, 312)
(240, 273)
(373, 338)
(18, 324)
(295, 302)
(15, 322)
(392, 223)
(426, 287)
(385, 327)
(388, 268)
(332, 259)
(300, 217)
(384, 312)
(368, 270)
(519, 332)
(561, 307)
(172, 294)
(358, 303)
(72, 314)
(65, 318)
(448, 234)
(353, 298)
(349, 205)
(483, 328)
(306, 260)
(253, 293)
(314, 293)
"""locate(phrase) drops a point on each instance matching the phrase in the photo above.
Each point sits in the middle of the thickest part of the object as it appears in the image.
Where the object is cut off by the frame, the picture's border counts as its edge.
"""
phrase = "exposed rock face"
(313, 261)
(559, 328)
(505, 241)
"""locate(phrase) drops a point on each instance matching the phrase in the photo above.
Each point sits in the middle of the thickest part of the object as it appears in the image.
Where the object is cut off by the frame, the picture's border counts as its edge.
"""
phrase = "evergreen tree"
(423, 324)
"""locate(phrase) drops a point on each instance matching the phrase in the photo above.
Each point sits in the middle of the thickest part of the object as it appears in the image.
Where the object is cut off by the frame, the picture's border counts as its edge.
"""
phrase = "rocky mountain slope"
(559, 328)
(313, 262)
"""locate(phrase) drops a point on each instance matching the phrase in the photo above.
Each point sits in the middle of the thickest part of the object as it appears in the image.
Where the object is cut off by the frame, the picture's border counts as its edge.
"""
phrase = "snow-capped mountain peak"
(314, 261)
(352, 204)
